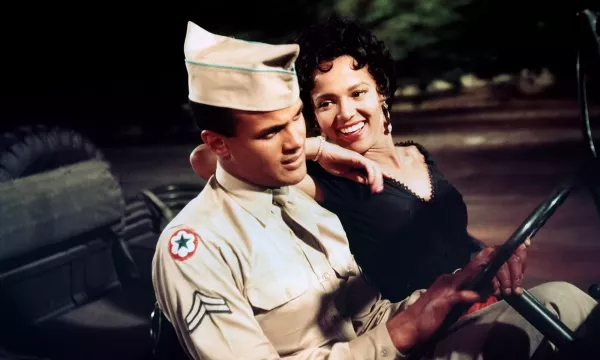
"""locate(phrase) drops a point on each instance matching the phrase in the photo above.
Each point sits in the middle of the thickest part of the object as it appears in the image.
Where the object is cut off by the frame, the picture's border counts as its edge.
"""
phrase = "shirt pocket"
(285, 307)
(270, 290)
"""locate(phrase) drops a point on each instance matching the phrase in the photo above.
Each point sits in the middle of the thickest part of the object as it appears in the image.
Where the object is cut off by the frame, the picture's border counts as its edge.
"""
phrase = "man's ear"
(215, 143)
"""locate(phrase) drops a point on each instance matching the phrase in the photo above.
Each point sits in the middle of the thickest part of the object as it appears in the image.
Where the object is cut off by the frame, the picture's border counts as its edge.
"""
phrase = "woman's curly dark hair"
(335, 37)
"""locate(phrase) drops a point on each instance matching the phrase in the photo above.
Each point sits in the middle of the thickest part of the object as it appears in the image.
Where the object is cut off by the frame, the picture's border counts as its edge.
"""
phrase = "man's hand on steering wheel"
(349, 164)
(423, 318)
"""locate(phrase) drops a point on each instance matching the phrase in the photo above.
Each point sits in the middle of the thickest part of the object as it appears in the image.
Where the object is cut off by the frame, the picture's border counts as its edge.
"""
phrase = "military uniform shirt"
(239, 278)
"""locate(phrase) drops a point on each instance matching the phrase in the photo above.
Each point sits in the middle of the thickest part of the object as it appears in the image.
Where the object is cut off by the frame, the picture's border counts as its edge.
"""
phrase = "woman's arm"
(203, 161)
(333, 158)
(308, 185)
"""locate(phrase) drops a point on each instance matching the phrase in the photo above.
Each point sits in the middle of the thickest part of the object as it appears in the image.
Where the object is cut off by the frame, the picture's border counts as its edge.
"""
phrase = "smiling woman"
(416, 229)
(348, 106)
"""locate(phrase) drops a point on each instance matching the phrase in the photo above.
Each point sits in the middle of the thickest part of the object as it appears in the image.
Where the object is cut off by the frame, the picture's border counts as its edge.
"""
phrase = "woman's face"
(347, 105)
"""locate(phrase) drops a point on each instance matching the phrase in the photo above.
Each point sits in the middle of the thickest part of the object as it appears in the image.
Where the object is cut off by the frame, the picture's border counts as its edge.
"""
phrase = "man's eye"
(269, 135)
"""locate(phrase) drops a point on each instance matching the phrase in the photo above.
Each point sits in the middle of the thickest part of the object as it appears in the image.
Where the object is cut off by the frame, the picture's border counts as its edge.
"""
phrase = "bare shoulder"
(410, 152)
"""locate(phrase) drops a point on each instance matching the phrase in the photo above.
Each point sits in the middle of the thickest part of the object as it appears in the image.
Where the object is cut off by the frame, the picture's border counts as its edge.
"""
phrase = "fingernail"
(519, 291)
(527, 242)
(507, 291)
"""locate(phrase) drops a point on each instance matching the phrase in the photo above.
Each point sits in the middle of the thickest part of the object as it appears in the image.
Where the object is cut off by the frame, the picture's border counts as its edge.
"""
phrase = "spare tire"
(34, 149)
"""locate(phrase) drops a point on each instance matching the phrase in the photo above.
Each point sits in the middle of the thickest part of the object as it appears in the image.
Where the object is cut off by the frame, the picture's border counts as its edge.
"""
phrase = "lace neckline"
(429, 173)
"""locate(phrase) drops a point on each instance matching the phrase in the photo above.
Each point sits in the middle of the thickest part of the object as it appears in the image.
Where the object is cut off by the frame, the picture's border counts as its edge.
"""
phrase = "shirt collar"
(255, 199)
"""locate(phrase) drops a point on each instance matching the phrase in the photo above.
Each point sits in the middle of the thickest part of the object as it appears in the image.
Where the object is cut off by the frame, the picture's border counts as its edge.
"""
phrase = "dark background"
(102, 68)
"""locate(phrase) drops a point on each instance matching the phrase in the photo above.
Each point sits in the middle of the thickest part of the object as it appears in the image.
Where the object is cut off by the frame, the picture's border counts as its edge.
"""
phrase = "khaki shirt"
(239, 280)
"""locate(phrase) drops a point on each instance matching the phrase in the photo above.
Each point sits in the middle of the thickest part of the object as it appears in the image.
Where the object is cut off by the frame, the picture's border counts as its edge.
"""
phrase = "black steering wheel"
(526, 304)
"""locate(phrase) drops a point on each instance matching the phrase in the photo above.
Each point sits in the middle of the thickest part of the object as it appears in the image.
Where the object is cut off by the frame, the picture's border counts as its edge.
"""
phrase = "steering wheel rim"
(527, 305)
(589, 47)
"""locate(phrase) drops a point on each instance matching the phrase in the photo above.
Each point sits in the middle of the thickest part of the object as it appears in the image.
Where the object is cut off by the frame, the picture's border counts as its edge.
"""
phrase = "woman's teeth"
(353, 128)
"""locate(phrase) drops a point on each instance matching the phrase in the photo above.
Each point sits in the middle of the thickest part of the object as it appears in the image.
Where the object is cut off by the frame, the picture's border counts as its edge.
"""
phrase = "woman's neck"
(384, 153)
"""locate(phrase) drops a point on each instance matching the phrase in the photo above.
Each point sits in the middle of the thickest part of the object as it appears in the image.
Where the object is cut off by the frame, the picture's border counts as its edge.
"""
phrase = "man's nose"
(294, 139)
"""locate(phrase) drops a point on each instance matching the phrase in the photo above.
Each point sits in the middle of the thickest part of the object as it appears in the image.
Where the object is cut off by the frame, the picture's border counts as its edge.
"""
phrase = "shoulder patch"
(183, 244)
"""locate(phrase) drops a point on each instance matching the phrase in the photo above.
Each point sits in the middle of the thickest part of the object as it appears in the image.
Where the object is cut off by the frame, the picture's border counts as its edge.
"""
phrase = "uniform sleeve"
(370, 313)
(198, 287)
(375, 344)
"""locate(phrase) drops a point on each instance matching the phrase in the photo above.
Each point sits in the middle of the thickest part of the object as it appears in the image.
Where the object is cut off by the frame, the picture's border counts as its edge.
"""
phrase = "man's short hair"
(217, 119)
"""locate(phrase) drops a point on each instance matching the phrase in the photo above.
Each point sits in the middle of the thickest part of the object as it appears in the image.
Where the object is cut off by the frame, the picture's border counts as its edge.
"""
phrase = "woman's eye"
(324, 104)
(358, 93)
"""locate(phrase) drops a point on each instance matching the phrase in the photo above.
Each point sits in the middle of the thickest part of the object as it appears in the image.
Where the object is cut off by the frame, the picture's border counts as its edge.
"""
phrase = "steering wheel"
(526, 304)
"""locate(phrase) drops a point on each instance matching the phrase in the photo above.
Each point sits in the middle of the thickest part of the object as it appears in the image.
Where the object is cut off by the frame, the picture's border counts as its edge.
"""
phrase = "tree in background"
(446, 38)
(431, 38)
(419, 34)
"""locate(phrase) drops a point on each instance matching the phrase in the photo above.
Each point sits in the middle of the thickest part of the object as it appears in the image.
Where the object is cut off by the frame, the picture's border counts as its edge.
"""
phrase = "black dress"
(401, 242)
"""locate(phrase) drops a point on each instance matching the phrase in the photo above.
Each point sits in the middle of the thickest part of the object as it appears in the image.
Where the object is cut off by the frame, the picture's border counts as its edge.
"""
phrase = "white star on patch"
(182, 244)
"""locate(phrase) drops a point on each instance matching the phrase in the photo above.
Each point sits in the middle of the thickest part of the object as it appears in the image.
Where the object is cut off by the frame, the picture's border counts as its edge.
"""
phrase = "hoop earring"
(386, 114)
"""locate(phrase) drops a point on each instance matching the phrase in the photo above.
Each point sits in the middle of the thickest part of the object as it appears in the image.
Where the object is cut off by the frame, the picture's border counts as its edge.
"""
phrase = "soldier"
(253, 268)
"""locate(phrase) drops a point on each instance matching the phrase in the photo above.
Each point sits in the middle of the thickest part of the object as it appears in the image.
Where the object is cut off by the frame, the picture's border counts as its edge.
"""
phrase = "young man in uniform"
(255, 269)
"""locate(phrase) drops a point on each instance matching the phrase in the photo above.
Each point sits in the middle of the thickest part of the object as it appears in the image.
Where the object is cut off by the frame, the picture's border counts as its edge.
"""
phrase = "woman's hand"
(349, 164)
(423, 318)
(334, 159)
(509, 279)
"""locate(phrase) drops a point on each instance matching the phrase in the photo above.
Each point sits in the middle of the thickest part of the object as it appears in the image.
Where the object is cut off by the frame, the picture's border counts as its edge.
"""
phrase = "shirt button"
(384, 352)
(288, 292)
(326, 276)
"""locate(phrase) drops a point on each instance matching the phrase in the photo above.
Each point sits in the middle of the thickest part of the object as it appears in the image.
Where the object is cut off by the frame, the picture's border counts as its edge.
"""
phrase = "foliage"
(430, 38)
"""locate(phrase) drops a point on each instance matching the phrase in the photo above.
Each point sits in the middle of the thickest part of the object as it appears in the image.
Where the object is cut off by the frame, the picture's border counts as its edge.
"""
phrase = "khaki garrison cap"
(238, 74)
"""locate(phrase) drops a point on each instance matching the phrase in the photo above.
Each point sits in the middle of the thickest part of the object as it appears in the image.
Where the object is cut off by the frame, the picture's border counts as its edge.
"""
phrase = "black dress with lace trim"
(401, 241)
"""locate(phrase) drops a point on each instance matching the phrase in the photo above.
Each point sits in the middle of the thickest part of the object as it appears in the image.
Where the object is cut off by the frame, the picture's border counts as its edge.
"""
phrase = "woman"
(414, 229)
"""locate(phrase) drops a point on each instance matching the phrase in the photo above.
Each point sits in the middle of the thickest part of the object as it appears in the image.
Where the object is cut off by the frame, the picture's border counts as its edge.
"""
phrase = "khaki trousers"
(499, 332)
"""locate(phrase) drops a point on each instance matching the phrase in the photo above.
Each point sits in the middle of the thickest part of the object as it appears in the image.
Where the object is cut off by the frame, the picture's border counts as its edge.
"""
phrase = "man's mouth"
(294, 160)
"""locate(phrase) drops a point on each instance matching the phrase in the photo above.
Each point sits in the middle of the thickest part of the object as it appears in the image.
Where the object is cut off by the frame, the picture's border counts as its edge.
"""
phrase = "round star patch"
(183, 244)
